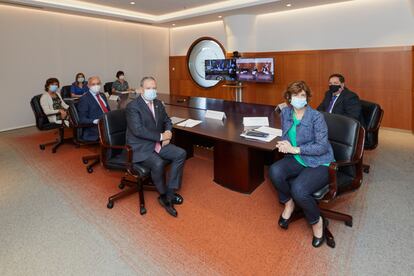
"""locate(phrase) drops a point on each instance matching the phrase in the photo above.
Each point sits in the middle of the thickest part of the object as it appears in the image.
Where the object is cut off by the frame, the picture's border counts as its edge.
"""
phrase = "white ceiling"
(169, 12)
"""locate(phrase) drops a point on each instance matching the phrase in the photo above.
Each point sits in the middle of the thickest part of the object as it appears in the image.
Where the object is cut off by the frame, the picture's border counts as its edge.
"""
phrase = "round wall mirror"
(202, 49)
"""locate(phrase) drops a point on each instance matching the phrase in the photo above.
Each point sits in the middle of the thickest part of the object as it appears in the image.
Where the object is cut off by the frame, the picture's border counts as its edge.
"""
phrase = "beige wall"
(354, 24)
(38, 44)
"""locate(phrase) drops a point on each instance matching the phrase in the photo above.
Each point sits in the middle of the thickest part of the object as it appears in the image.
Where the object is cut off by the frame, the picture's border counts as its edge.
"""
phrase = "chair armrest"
(333, 186)
(85, 125)
(341, 164)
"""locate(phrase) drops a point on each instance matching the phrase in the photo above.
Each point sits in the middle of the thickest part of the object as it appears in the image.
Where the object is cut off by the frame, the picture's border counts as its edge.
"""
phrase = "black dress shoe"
(177, 199)
(316, 242)
(168, 206)
(284, 223)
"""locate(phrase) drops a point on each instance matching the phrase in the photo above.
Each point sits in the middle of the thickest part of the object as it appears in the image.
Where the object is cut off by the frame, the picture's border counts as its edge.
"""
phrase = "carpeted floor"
(54, 220)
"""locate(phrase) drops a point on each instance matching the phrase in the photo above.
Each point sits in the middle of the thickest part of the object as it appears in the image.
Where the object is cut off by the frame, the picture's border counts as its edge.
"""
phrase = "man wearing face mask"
(149, 134)
(340, 100)
(92, 105)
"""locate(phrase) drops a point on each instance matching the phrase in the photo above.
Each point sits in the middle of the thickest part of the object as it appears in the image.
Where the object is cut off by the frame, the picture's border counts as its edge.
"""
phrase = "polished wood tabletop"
(228, 129)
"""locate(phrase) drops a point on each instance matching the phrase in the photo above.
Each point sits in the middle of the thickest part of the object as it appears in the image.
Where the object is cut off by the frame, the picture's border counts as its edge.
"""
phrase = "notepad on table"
(175, 120)
(189, 123)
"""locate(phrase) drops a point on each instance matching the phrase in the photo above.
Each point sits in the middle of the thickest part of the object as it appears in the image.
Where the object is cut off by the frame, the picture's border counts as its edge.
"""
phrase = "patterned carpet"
(217, 232)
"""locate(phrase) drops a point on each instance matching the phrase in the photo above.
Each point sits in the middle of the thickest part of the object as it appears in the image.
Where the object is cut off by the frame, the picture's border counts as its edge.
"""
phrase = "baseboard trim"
(18, 127)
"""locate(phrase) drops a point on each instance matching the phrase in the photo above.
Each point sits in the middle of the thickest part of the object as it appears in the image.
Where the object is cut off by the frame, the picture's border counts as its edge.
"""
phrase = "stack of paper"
(255, 121)
(176, 120)
(189, 123)
(273, 133)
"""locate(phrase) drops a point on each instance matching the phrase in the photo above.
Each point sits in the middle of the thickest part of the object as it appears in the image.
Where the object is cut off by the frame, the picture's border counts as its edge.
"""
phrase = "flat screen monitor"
(220, 69)
(255, 69)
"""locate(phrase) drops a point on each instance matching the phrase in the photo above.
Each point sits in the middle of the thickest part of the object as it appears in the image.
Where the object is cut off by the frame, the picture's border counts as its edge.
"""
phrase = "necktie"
(101, 103)
(157, 144)
(331, 103)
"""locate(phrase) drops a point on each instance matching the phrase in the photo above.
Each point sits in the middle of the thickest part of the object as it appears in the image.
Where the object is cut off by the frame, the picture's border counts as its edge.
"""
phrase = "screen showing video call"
(242, 69)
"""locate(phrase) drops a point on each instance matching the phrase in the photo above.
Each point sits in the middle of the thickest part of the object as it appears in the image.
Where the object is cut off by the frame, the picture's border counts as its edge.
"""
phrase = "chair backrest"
(112, 129)
(65, 92)
(74, 119)
(42, 122)
(344, 134)
(108, 87)
(372, 114)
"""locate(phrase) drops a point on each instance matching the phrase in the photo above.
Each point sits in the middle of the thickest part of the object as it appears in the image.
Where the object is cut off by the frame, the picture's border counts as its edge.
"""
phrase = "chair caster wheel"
(89, 169)
(366, 170)
(110, 205)
(121, 185)
(142, 211)
(348, 223)
(53, 150)
(42, 147)
(85, 161)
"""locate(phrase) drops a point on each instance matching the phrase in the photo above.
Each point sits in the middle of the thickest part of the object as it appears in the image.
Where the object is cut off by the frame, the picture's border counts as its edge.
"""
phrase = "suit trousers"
(292, 180)
(156, 163)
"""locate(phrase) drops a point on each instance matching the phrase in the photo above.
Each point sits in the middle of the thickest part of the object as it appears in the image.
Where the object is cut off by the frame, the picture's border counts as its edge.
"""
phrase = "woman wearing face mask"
(120, 85)
(304, 169)
(79, 86)
(52, 103)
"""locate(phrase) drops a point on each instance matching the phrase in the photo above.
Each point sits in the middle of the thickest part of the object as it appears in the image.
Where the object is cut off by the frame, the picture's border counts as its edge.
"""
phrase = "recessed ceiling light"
(288, 5)
(132, 3)
(173, 24)
(220, 16)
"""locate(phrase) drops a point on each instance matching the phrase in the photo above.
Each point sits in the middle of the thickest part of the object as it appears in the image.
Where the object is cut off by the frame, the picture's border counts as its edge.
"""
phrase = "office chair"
(108, 87)
(77, 136)
(372, 114)
(117, 155)
(43, 124)
(65, 92)
(346, 136)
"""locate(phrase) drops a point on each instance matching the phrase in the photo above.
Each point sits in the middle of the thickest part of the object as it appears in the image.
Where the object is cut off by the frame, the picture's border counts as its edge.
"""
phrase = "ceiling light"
(220, 16)
(173, 24)
(132, 3)
(288, 5)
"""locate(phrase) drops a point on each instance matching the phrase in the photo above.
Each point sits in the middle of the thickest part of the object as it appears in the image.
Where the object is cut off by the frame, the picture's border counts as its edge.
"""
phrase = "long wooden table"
(238, 162)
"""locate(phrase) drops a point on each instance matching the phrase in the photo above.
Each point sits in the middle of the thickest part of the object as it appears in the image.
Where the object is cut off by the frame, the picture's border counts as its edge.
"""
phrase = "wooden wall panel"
(382, 75)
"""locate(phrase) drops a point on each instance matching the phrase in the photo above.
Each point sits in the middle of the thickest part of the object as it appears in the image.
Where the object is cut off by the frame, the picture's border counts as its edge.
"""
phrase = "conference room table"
(238, 162)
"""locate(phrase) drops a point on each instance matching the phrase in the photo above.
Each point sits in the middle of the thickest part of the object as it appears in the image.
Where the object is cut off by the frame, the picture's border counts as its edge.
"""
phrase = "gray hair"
(145, 79)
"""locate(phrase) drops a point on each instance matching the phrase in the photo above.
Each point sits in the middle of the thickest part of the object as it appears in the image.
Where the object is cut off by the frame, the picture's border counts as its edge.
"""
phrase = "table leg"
(238, 167)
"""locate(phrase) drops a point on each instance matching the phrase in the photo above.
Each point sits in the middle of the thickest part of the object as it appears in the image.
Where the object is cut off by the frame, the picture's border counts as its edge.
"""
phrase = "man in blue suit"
(92, 105)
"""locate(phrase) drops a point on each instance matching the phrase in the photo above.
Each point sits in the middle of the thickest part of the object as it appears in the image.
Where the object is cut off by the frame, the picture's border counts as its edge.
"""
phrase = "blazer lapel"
(144, 106)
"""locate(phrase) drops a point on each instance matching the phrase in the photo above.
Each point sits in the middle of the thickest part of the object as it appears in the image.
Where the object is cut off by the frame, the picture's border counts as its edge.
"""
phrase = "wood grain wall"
(382, 75)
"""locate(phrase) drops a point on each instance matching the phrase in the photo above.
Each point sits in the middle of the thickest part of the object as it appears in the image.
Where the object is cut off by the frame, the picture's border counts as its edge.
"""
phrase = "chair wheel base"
(110, 205)
(366, 170)
(85, 161)
(142, 211)
(348, 223)
(42, 147)
(89, 169)
(121, 185)
(53, 150)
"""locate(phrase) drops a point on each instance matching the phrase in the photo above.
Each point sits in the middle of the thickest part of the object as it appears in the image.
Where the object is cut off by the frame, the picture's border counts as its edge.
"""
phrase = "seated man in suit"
(149, 134)
(92, 105)
(340, 100)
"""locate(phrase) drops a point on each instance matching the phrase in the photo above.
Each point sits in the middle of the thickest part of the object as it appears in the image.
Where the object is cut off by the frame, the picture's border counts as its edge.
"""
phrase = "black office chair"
(42, 124)
(346, 136)
(77, 136)
(108, 87)
(372, 114)
(65, 92)
(115, 154)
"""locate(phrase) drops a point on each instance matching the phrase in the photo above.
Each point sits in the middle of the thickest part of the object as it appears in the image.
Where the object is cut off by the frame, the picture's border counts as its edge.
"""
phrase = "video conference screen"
(220, 69)
(255, 69)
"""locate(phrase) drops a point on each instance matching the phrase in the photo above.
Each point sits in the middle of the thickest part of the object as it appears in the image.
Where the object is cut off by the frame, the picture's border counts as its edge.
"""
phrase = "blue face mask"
(298, 103)
(150, 94)
(53, 88)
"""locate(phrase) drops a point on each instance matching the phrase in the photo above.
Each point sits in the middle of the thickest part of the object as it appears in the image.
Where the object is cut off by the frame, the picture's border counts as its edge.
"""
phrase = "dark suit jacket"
(347, 104)
(143, 131)
(89, 110)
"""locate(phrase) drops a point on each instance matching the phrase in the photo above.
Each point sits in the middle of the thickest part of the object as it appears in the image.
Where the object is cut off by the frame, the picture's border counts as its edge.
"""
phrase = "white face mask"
(121, 77)
(95, 89)
(81, 79)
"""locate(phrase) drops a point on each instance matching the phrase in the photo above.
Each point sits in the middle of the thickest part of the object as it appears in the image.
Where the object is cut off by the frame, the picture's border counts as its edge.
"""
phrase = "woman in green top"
(120, 85)
(304, 169)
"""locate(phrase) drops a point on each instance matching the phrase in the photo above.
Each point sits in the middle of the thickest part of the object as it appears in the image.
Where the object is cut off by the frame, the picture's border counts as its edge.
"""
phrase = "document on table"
(255, 121)
(175, 120)
(189, 123)
(273, 133)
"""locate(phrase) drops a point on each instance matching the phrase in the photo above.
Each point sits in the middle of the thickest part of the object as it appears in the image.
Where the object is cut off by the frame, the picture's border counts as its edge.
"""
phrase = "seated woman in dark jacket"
(304, 169)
